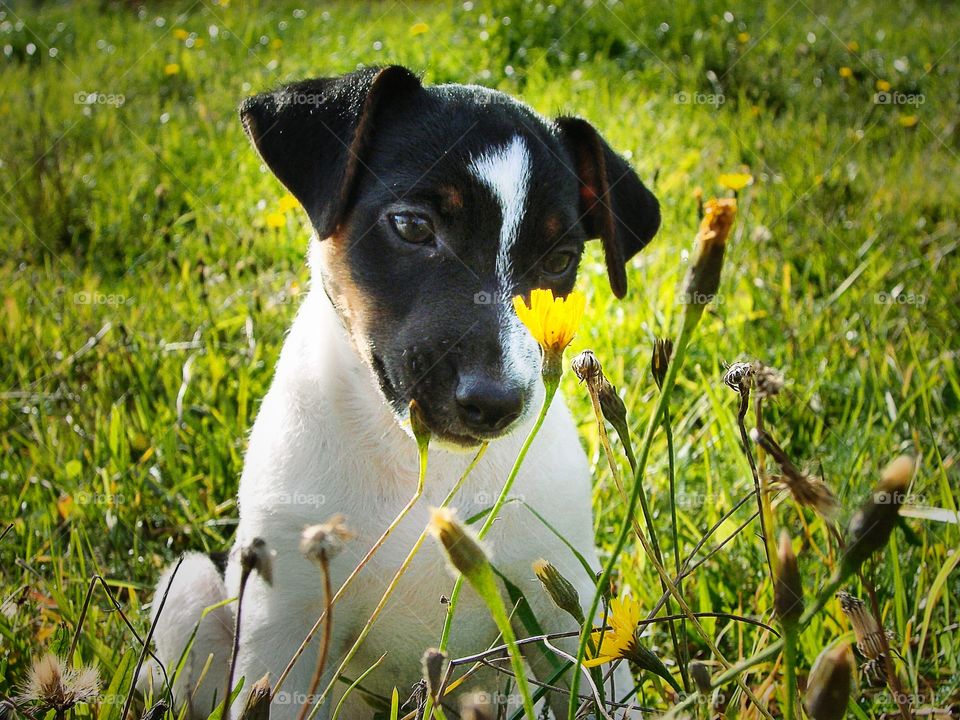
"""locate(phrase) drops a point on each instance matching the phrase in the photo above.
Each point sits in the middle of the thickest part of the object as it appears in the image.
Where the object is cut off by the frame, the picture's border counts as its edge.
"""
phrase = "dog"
(431, 207)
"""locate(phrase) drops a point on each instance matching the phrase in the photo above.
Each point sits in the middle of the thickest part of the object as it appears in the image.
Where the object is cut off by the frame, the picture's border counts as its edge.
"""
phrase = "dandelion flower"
(276, 220)
(181, 34)
(743, 38)
(553, 321)
(853, 46)
(419, 29)
(846, 73)
(287, 202)
(908, 121)
(735, 181)
(171, 69)
(883, 86)
(620, 641)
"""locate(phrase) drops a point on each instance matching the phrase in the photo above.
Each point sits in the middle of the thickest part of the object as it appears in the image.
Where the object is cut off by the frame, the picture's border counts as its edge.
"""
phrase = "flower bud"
(418, 423)
(828, 687)
(461, 546)
(612, 407)
(703, 280)
(257, 556)
(871, 525)
(662, 351)
(433, 663)
(701, 677)
(560, 590)
(787, 589)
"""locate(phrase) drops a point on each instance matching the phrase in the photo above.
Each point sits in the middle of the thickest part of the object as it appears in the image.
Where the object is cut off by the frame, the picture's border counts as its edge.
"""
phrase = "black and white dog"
(432, 207)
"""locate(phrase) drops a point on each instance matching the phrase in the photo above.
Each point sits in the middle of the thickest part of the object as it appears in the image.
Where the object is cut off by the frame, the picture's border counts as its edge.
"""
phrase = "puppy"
(432, 207)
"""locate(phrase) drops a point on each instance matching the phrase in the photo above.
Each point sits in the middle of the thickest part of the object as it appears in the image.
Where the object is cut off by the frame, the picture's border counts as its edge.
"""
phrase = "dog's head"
(434, 206)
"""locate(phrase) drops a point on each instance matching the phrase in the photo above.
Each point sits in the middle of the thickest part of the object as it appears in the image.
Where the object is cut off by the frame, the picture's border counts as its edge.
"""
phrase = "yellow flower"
(419, 29)
(552, 321)
(853, 46)
(883, 86)
(735, 181)
(743, 37)
(181, 34)
(908, 121)
(171, 69)
(620, 641)
(276, 220)
(287, 202)
(276, 44)
(198, 43)
(846, 72)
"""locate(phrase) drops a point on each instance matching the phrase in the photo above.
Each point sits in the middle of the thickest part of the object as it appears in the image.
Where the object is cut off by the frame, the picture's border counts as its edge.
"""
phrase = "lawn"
(148, 273)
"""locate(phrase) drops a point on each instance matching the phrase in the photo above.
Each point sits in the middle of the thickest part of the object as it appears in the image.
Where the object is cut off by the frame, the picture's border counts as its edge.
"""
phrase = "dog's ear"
(313, 134)
(614, 204)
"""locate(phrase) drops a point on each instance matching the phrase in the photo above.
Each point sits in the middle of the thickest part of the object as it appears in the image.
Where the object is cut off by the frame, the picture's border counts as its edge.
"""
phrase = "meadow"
(149, 269)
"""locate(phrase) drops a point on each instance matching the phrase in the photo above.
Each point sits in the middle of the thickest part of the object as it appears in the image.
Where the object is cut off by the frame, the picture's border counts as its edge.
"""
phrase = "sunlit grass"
(147, 282)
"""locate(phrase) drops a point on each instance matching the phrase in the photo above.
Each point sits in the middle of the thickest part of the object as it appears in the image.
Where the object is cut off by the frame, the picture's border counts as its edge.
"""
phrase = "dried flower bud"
(865, 626)
(418, 423)
(258, 701)
(662, 352)
(737, 376)
(560, 590)
(8, 711)
(871, 525)
(701, 677)
(787, 588)
(807, 490)
(462, 547)
(828, 687)
(703, 280)
(767, 381)
(433, 664)
(321, 543)
(257, 556)
(587, 367)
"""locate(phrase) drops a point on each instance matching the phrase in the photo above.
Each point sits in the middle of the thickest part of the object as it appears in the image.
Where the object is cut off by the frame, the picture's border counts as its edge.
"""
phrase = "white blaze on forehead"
(506, 171)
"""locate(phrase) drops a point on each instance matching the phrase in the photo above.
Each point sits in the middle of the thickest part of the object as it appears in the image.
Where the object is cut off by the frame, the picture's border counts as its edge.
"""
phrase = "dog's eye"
(557, 263)
(412, 228)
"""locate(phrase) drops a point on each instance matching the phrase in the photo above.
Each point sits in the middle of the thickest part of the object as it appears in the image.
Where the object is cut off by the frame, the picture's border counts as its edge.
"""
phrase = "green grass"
(137, 268)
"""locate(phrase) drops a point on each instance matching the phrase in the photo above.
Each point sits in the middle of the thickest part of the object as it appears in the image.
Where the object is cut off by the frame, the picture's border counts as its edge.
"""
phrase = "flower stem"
(790, 667)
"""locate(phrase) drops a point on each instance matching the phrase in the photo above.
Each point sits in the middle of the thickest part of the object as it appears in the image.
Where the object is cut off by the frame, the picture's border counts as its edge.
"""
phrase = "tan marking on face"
(451, 198)
(351, 303)
(552, 226)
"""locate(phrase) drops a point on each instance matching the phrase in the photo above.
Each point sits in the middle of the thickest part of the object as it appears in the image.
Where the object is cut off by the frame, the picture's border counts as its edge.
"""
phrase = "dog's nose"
(487, 405)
